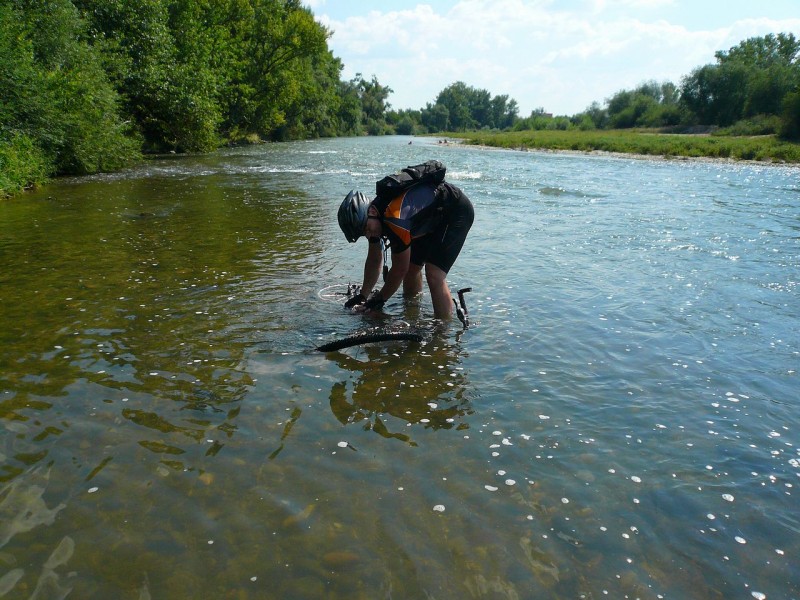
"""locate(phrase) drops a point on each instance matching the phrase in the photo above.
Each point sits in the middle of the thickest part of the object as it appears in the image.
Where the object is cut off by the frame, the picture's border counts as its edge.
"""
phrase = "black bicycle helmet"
(353, 215)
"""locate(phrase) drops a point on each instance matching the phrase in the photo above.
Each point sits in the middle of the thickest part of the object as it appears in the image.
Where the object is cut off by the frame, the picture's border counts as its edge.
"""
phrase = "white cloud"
(603, 5)
(537, 53)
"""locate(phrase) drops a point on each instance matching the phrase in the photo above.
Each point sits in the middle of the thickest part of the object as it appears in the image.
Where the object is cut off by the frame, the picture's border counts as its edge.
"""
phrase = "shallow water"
(619, 421)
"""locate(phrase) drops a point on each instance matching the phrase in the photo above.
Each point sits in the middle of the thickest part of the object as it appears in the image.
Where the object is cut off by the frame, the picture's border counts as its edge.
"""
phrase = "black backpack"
(391, 186)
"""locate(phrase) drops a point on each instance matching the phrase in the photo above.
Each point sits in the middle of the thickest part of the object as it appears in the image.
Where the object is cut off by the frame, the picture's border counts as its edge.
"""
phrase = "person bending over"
(425, 225)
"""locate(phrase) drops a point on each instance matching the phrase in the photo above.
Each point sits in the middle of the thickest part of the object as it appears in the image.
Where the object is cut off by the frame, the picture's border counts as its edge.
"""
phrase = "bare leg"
(440, 293)
(412, 284)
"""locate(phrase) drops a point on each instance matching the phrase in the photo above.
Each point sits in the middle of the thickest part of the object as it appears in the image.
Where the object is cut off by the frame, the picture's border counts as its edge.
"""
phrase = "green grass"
(628, 141)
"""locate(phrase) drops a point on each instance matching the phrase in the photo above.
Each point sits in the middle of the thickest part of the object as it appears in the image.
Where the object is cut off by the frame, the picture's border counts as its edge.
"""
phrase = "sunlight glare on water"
(619, 420)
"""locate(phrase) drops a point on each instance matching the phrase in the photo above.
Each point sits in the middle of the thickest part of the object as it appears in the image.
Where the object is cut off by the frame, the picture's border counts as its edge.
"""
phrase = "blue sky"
(560, 55)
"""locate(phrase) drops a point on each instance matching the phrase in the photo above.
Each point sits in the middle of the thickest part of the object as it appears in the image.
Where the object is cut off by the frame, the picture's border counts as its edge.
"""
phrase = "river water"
(620, 420)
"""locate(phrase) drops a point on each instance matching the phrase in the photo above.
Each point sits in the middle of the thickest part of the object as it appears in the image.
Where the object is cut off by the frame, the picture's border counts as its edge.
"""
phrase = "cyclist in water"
(425, 225)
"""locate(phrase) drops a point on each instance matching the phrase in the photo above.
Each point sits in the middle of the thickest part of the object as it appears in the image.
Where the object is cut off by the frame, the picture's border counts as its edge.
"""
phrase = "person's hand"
(374, 302)
(355, 300)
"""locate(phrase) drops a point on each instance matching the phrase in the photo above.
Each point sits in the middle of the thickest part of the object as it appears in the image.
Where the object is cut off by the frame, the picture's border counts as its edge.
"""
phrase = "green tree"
(372, 96)
(435, 117)
(505, 111)
(194, 70)
(210, 58)
(716, 94)
(479, 103)
(406, 126)
(456, 99)
(749, 79)
(597, 115)
(763, 52)
(283, 35)
(313, 111)
(164, 95)
(55, 94)
(24, 111)
(466, 107)
(790, 126)
(405, 121)
(651, 104)
(625, 108)
(349, 112)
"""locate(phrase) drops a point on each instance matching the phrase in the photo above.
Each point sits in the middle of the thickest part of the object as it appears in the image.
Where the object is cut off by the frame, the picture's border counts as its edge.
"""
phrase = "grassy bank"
(629, 141)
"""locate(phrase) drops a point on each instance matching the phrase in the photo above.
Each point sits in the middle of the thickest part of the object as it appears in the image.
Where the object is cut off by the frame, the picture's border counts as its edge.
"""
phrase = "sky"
(556, 55)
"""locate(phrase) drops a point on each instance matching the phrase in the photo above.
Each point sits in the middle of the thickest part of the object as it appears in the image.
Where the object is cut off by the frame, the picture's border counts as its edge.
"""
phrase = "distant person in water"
(425, 225)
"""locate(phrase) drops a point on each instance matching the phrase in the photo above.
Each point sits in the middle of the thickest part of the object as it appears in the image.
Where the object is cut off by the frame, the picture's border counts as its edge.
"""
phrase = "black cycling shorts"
(442, 246)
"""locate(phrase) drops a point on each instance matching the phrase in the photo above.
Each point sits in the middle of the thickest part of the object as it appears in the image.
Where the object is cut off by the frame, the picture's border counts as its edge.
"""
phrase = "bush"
(406, 126)
(58, 109)
(22, 165)
(758, 125)
(586, 123)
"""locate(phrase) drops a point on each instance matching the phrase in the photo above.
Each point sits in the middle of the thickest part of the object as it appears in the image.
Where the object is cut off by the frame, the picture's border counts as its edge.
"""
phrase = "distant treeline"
(90, 85)
(751, 89)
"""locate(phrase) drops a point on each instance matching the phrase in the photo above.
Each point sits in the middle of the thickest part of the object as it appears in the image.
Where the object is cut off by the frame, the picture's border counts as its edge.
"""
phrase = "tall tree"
(790, 112)
(504, 111)
(459, 107)
(435, 117)
(456, 99)
(163, 94)
(283, 34)
(372, 96)
(749, 79)
(314, 110)
(763, 52)
(349, 112)
(716, 94)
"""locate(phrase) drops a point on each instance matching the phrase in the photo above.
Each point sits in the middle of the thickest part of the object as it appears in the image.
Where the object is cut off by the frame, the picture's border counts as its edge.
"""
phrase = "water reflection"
(622, 412)
(392, 387)
(133, 303)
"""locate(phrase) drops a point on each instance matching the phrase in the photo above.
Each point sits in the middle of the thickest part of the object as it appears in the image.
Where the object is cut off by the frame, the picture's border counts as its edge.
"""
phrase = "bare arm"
(372, 268)
(400, 263)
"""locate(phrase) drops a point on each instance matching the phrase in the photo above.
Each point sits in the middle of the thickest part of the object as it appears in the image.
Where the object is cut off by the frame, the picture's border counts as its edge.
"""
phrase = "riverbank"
(642, 142)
